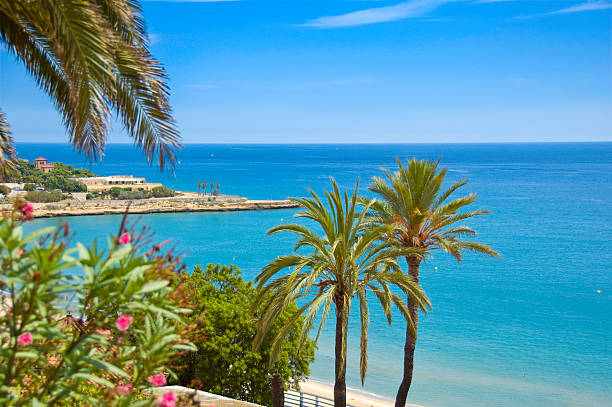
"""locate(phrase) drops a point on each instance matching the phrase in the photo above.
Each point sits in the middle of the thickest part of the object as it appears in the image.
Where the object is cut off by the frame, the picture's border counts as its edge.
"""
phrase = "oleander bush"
(86, 325)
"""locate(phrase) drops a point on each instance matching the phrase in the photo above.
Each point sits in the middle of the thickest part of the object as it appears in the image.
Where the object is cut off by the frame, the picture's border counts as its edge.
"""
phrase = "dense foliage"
(130, 193)
(45, 196)
(84, 326)
(58, 178)
(225, 362)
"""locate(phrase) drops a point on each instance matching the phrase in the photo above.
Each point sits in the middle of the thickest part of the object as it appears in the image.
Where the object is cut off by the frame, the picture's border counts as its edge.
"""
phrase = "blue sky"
(367, 71)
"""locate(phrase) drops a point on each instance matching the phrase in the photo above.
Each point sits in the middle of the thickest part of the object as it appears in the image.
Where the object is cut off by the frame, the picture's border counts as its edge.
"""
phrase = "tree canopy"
(225, 362)
(58, 178)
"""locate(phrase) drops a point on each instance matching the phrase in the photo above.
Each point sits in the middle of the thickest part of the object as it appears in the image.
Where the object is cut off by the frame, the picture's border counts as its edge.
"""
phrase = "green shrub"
(45, 196)
(29, 187)
(134, 194)
(121, 325)
(4, 190)
(162, 192)
(225, 362)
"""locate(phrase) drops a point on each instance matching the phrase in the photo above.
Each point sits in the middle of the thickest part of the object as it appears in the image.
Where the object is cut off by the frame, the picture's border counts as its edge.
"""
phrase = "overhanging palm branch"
(7, 152)
(91, 57)
(343, 263)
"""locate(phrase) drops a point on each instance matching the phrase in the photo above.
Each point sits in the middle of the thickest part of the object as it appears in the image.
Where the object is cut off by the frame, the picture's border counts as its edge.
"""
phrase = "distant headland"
(56, 189)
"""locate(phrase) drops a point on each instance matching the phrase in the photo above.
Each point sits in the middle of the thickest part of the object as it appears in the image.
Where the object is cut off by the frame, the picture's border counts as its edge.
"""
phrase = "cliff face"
(75, 208)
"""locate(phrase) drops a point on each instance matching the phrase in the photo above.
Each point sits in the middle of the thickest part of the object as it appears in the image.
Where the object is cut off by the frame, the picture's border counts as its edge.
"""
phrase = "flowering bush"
(84, 326)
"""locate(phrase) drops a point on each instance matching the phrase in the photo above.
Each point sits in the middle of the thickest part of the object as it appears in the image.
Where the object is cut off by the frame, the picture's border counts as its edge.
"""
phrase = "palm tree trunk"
(409, 346)
(340, 385)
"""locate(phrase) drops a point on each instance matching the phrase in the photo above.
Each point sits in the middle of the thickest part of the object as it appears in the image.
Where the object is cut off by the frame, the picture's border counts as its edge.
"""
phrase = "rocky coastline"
(160, 205)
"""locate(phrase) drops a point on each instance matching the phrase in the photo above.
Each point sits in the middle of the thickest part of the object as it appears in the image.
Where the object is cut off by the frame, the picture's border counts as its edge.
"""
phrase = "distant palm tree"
(91, 57)
(421, 218)
(345, 263)
(211, 187)
(204, 185)
(217, 187)
(199, 187)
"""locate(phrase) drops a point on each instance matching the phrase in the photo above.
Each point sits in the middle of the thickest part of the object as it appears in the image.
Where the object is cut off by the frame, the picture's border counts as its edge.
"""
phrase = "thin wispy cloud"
(577, 8)
(588, 6)
(408, 9)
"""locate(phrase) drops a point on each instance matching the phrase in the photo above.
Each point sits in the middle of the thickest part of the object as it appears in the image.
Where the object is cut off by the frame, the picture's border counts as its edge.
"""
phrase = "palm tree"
(217, 187)
(204, 185)
(7, 152)
(91, 57)
(346, 262)
(199, 187)
(421, 217)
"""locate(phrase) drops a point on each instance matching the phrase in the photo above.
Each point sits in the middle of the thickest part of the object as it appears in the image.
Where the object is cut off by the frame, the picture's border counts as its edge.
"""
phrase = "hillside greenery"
(58, 178)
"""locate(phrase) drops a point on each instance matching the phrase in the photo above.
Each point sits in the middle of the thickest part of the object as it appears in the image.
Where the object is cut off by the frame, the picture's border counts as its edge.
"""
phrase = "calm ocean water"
(527, 330)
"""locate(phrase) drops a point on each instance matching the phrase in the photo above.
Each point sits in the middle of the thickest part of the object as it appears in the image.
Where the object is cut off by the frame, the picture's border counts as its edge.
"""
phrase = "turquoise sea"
(526, 330)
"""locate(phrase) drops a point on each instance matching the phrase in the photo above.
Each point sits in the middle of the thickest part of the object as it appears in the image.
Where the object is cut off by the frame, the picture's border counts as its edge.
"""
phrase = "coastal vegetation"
(225, 362)
(45, 196)
(98, 336)
(60, 178)
(348, 261)
(128, 193)
(421, 216)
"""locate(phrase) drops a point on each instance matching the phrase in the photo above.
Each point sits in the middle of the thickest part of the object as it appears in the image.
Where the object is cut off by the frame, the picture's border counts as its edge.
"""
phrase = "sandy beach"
(355, 398)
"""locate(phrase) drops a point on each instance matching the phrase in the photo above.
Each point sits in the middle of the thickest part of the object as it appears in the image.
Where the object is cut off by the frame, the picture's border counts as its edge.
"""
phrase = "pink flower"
(28, 211)
(125, 238)
(25, 339)
(123, 390)
(124, 322)
(167, 400)
(157, 380)
(20, 252)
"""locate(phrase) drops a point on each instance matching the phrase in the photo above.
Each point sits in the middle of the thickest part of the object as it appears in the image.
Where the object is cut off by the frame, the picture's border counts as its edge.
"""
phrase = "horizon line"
(344, 143)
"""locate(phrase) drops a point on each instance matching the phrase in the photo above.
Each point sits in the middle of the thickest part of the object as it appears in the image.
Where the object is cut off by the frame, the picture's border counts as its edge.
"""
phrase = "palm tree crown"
(344, 262)
(91, 57)
(420, 215)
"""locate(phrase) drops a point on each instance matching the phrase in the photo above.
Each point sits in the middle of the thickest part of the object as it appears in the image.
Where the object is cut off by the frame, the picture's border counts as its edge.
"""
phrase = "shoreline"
(155, 205)
(354, 397)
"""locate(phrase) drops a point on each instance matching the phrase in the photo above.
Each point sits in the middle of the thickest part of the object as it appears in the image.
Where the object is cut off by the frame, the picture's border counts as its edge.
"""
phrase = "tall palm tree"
(345, 262)
(204, 185)
(199, 187)
(422, 217)
(92, 58)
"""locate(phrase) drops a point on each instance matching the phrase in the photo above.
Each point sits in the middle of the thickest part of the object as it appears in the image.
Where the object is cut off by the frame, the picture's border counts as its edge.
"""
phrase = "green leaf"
(153, 286)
